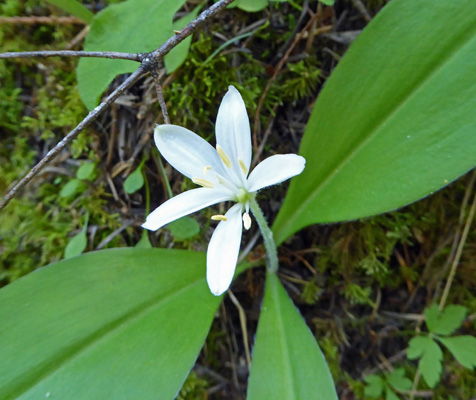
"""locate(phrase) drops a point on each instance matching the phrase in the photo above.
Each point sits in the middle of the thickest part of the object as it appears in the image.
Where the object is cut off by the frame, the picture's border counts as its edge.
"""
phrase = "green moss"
(194, 388)
(35, 113)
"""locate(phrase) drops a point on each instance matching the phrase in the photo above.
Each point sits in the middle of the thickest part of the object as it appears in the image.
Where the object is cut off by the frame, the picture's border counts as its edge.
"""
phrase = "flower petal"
(223, 249)
(233, 131)
(184, 204)
(275, 169)
(187, 152)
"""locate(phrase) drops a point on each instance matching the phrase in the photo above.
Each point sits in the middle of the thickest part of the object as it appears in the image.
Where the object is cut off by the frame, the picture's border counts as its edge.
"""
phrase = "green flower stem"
(267, 237)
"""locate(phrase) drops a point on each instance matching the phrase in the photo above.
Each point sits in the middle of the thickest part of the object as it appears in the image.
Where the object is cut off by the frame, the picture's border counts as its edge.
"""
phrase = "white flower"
(223, 175)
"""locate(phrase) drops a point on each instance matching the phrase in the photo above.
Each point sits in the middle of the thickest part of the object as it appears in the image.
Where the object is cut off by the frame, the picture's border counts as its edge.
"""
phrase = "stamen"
(203, 182)
(206, 169)
(219, 217)
(246, 221)
(243, 166)
(223, 156)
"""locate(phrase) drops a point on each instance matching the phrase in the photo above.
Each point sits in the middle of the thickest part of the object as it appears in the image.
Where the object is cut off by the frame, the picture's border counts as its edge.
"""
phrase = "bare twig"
(160, 94)
(304, 12)
(147, 62)
(360, 6)
(72, 135)
(244, 330)
(112, 235)
(416, 381)
(459, 252)
(33, 20)
(277, 70)
(269, 128)
(71, 53)
(78, 38)
(112, 140)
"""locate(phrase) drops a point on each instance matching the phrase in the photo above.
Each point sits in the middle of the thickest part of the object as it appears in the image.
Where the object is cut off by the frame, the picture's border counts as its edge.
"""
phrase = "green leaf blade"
(133, 26)
(287, 362)
(134, 181)
(390, 126)
(463, 349)
(121, 323)
(390, 395)
(446, 321)
(184, 228)
(76, 245)
(398, 380)
(178, 54)
(75, 8)
(430, 356)
(375, 386)
(250, 5)
(71, 188)
(86, 171)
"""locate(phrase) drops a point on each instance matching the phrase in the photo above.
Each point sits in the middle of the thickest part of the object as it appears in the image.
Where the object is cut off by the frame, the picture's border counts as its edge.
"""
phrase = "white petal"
(275, 169)
(223, 249)
(187, 152)
(184, 204)
(233, 130)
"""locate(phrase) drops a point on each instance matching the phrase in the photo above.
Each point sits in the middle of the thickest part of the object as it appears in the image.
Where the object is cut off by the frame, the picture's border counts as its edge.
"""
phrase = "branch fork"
(148, 62)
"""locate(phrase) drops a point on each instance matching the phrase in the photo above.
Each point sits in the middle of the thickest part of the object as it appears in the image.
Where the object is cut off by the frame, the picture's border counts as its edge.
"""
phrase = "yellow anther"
(205, 169)
(243, 166)
(219, 217)
(203, 182)
(246, 221)
(223, 156)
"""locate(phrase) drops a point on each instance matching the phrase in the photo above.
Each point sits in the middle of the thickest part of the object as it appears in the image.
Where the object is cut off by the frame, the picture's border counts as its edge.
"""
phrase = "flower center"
(243, 196)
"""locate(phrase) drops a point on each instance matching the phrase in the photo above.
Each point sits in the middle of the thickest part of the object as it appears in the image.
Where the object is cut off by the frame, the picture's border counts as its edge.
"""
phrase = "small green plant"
(134, 181)
(86, 172)
(77, 244)
(388, 384)
(442, 324)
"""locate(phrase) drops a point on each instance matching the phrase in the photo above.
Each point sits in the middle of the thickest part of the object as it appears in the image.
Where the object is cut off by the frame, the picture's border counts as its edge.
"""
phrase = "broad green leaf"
(112, 324)
(86, 171)
(184, 228)
(445, 322)
(133, 26)
(134, 181)
(250, 5)
(395, 121)
(374, 387)
(463, 349)
(77, 243)
(430, 356)
(287, 362)
(75, 8)
(177, 56)
(72, 187)
(398, 380)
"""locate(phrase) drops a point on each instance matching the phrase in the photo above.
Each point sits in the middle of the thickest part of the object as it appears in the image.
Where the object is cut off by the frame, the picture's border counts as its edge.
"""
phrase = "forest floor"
(362, 286)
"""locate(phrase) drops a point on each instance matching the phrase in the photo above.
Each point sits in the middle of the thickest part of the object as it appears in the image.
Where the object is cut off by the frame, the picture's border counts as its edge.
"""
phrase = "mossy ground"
(355, 283)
